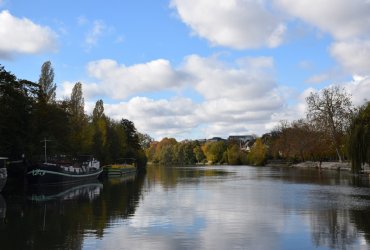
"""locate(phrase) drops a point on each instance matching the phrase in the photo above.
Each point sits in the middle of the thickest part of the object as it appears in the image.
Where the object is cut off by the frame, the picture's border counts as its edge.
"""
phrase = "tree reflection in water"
(333, 228)
(61, 220)
(334, 208)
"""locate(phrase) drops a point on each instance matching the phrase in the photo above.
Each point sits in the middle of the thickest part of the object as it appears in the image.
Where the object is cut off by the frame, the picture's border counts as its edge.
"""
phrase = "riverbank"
(338, 166)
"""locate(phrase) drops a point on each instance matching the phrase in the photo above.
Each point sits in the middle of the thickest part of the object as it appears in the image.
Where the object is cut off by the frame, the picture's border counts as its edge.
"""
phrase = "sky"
(192, 69)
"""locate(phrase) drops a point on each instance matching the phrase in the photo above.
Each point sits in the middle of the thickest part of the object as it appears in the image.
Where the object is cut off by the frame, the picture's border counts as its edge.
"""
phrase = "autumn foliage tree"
(257, 155)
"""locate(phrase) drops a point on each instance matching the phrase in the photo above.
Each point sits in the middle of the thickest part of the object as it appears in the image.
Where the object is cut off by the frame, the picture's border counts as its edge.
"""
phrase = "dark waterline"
(216, 207)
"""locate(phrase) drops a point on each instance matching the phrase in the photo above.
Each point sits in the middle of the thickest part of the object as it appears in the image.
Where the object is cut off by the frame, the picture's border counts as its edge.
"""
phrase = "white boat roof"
(3, 158)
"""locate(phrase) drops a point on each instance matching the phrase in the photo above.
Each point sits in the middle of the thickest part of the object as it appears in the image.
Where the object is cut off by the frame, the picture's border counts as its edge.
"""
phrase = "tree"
(130, 133)
(15, 114)
(199, 155)
(359, 138)
(233, 154)
(330, 110)
(163, 149)
(166, 155)
(100, 132)
(46, 82)
(257, 155)
(144, 140)
(77, 102)
(214, 151)
(76, 110)
(98, 111)
(151, 152)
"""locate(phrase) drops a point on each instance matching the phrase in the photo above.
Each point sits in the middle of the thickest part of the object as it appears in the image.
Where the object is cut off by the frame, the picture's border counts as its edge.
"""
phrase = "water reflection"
(234, 207)
(86, 190)
(2, 209)
(61, 217)
(171, 176)
(333, 228)
(213, 207)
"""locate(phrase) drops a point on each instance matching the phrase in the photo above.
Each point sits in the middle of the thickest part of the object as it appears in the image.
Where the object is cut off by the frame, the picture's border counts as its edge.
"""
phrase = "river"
(210, 207)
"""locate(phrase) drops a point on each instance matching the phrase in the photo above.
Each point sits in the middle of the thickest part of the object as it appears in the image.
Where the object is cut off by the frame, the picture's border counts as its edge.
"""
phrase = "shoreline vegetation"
(30, 115)
(325, 166)
(333, 130)
(337, 166)
(334, 135)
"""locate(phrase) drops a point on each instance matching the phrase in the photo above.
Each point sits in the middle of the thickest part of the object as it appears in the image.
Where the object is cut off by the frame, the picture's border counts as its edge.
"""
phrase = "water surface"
(213, 207)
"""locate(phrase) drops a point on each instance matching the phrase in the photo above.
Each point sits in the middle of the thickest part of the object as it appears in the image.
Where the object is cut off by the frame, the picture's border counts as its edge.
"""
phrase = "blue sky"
(192, 68)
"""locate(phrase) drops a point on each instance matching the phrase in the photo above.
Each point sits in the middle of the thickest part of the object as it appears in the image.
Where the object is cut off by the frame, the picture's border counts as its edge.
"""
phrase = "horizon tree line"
(333, 129)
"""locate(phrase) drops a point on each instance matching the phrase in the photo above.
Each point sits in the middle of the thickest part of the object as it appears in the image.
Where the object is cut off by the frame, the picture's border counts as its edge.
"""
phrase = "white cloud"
(98, 29)
(216, 80)
(22, 36)
(359, 88)
(204, 218)
(236, 98)
(332, 75)
(348, 22)
(318, 78)
(159, 118)
(353, 56)
(245, 24)
(64, 90)
(82, 20)
(238, 24)
(343, 19)
(118, 81)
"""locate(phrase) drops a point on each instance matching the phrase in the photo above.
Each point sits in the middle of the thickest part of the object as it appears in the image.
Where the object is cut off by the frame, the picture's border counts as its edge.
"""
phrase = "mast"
(46, 160)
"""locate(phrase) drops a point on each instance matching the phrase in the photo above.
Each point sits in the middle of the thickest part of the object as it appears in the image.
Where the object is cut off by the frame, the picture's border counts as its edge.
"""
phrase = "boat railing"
(3, 162)
(125, 161)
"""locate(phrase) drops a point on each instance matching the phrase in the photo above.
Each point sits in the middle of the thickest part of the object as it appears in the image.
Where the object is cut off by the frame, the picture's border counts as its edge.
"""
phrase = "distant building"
(202, 141)
(242, 138)
(215, 139)
(245, 141)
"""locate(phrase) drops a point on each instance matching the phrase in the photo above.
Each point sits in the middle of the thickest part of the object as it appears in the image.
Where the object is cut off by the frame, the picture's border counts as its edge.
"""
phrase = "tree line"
(169, 151)
(30, 114)
(333, 129)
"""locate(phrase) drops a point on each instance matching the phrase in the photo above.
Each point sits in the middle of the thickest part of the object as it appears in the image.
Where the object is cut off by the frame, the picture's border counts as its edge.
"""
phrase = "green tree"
(133, 148)
(189, 156)
(167, 155)
(359, 138)
(131, 134)
(15, 114)
(99, 139)
(199, 155)
(151, 152)
(144, 140)
(233, 154)
(214, 151)
(78, 121)
(257, 155)
(171, 142)
(46, 83)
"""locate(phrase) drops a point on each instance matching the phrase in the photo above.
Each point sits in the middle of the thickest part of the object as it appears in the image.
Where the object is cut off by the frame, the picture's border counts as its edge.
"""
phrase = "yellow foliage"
(257, 155)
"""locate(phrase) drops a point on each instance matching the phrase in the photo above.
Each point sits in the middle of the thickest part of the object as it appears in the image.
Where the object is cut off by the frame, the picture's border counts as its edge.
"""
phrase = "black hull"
(55, 176)
(2, 183)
